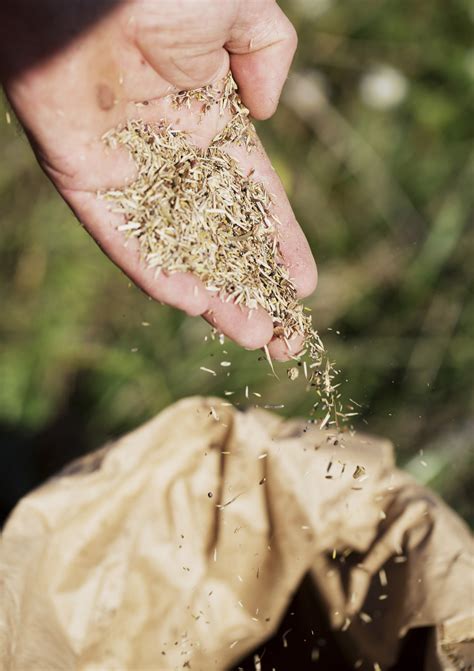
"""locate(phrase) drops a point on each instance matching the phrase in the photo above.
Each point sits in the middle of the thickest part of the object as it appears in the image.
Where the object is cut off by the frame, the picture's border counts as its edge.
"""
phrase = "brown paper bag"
(180, 546)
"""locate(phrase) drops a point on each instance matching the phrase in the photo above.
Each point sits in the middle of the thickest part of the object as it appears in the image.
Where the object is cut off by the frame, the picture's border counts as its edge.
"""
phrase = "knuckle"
(291, 36)
(306, 283)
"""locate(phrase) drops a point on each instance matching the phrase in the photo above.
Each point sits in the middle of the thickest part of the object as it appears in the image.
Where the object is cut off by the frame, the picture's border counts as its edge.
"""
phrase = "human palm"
(68, 92)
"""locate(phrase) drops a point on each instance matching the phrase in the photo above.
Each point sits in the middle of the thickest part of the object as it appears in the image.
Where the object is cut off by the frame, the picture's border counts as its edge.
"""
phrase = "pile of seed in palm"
(195, 210)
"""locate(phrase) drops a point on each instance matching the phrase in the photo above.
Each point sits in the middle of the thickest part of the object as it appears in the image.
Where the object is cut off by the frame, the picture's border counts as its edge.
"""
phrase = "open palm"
(123, 65)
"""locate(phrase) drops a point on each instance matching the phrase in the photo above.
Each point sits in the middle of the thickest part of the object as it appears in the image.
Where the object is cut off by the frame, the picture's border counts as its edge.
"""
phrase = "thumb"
(190, 62)
(262, 45)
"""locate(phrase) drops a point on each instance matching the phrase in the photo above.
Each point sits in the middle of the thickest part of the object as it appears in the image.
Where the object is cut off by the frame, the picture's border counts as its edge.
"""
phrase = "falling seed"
(226, 364)
(208, 370)
(383, 578)
(293, 373)
(359, 472)
(325, 421)
(284, 637)
(145, 323)
(195, 210)
(365, 617)
(8, 117)
(269, 359)
(234, 498)
(400, 560)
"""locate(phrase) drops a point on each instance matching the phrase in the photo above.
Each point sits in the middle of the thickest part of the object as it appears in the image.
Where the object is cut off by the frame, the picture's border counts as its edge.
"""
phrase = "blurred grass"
(385, 195)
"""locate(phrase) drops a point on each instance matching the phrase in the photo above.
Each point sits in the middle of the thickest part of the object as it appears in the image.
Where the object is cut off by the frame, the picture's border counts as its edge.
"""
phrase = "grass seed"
(194, 210)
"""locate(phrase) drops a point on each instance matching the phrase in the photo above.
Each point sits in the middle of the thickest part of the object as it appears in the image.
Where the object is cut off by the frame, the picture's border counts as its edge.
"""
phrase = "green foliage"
(385, 195)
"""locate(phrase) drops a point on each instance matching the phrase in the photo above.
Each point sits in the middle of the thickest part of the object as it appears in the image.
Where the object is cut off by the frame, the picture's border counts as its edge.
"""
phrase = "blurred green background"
(374, 142)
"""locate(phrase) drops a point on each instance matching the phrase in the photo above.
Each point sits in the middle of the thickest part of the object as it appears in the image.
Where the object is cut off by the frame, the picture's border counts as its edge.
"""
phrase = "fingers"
(280, 350)
(185, 46)
(249, 328)
(180, 290)
(262, 45)
(190, 49)
(187, 68)
(293, 245)
(252, 329)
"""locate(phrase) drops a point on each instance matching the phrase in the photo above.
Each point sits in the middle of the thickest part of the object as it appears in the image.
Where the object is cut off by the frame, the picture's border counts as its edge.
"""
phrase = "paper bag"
(181, 545)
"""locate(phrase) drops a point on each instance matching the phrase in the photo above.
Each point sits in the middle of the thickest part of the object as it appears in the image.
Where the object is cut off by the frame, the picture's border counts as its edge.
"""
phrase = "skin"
(70, 83)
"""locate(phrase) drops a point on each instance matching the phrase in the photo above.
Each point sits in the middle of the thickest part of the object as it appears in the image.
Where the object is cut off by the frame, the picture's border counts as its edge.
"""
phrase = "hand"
(73, 70)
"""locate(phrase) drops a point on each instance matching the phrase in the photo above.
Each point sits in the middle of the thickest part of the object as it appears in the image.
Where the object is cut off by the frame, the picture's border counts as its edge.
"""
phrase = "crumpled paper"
(180, 546)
